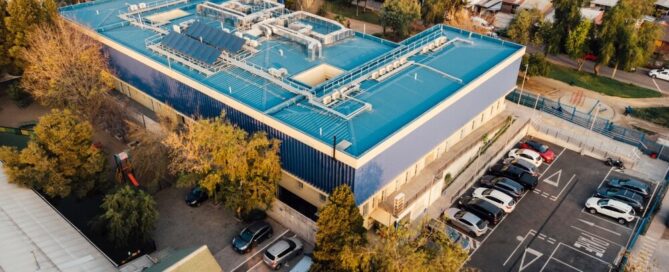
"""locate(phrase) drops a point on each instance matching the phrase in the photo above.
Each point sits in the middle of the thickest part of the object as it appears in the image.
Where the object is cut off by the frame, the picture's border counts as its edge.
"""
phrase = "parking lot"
(180, 226)
(550, 230)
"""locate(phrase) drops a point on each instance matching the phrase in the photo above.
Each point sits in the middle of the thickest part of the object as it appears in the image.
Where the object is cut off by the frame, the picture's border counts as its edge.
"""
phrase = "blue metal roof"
(396, 101)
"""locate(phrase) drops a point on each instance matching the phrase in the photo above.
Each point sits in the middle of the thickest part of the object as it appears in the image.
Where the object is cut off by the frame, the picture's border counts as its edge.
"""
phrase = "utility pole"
(592, 125)
(522, 85)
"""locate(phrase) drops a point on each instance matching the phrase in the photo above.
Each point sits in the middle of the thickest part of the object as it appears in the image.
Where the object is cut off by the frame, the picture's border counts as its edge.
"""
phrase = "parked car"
(467, 243)
(630, 184)
(467, 221)
(590, 57)
(303, 265)
(252, 235)
(515, 173)
(523, 164)
(615, 209)
(659, 73)
(282, 251)
(482, 209)
(526, 155)
(546, 153)
(196, 196)
(506, 185)
(633, 199)
(497, 198)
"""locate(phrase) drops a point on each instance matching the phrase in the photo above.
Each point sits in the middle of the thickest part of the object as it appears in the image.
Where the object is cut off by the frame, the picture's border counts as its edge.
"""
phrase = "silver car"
(282, 251)
(526, 165)
(467, 221)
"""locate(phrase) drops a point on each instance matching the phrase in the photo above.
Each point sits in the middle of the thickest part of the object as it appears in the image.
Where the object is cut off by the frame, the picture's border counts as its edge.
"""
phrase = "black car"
(633, 199)
(505, 185)
(252, 235)
(482, 209)
(630, 184)
(196, 196)
(516, 174)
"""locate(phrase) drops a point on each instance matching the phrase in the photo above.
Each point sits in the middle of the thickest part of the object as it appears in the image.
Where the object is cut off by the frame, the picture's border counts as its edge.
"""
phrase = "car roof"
(619, 204)
(303, 265)
(530, 153)
(470, 217)
(278, 247)
(633, 182)
(497, 194)
(256, 226)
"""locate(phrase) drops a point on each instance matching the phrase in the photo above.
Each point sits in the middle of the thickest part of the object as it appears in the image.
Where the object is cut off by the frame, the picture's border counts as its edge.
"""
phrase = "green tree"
(59, 158)
(5, 42)
(433, 11)
(536, 64)
(398, 15)
(567, 17)
(339, 229)
(23, 17)
(235, 168)
(129, 214)
(523, 28)
(576, 44)
(626, 39)
(407, 250)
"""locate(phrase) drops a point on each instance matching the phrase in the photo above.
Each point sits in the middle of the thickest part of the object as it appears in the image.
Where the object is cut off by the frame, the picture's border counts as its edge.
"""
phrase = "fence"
(587, 120)
(294, 220)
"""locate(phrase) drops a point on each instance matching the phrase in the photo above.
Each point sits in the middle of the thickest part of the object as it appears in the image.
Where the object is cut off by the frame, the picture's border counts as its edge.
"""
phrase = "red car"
(590, 57)
(546, 153)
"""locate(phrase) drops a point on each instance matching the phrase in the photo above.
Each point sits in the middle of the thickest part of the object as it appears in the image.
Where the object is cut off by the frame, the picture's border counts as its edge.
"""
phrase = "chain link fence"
(589, 121)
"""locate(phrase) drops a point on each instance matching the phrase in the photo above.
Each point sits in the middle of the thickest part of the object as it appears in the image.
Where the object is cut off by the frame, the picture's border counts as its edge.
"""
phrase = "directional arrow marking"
(555, 182)
(535, 256)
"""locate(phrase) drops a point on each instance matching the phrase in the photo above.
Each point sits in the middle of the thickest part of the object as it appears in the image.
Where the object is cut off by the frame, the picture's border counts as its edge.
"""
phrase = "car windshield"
(603, 202)
(459, 214)
(486, 192)
(246, 235)
(269, 255)
(482, 224)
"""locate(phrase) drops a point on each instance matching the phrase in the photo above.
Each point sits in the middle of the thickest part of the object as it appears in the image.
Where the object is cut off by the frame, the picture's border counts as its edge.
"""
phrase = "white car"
(659, 73)
(467, 221)
(497, 198)
(615, 209)
(526, 155)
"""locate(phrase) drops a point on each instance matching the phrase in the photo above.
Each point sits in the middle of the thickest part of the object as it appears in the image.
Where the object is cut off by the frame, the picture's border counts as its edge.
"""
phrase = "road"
(639, 78)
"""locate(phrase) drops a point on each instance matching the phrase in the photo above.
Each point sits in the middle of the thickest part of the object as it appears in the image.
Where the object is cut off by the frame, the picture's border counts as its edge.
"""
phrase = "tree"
(433, 11)
(129, 214)
(59, 158)
(5, 43)
(150, 160)
(626, 39)
(398, 15)
(235, 168)
(407, 250)
(567, 17)
(523, 28)
(576, 45)
(23, 17)
(339, 229)
(536, 64)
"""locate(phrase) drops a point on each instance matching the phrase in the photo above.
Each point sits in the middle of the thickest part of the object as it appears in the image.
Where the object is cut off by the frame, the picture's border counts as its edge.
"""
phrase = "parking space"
(550, 230)
(181, 226)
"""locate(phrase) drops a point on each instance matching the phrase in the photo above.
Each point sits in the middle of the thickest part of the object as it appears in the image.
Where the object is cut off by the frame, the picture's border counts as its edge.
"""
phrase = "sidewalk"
(651, 251)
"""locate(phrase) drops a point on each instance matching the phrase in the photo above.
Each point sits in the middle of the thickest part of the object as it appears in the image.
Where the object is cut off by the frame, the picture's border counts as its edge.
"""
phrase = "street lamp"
(522, 85)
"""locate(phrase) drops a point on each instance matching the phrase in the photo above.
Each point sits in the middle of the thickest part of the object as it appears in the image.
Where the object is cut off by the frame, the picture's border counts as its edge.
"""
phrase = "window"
(300, 185)
(482, 117)
(323, 197)
(365, 209)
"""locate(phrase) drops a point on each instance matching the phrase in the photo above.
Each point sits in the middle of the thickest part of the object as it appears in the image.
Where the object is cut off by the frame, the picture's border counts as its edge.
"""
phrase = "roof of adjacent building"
(393, 103)
(35, 237)
(187, 259)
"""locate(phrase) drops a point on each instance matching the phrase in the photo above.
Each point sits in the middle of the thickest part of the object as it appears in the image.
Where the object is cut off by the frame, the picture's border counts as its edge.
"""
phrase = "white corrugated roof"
(662, 3)
(34, 237)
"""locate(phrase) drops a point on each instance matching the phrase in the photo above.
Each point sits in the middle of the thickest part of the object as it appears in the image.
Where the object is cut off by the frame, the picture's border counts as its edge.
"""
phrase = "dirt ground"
(554, 89)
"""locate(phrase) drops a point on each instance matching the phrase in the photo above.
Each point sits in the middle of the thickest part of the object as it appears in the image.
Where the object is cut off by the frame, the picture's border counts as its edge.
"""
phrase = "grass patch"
(659, 115)
(599, 84)
(349, 11)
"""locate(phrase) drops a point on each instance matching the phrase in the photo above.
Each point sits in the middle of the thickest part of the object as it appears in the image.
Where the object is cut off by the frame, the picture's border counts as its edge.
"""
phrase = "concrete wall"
(371, 177)
(294, 220)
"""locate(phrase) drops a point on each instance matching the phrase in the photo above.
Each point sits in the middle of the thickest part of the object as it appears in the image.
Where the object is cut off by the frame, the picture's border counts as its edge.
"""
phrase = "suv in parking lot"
(505, 185)
(467, 221)
(526, 155)
(497, 198)
(282, 251)
(630, 184)
(527, 166)
(467, 243)
(482, 209)
(515, 173)
(627, 196)
(615, 209)
(251, 235)
(546, 153)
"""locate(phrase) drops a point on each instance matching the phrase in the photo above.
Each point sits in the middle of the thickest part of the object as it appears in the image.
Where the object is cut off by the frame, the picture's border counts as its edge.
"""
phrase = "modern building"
(349, 108)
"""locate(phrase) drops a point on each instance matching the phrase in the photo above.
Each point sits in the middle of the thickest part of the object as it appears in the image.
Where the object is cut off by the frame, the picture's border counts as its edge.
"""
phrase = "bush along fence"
(588, 120)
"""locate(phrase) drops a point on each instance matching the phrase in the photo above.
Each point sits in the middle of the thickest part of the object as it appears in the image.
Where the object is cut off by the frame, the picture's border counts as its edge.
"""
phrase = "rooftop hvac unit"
(327, 100)
(375, 75)
(382, 71)
(336, 95)
(142, 5)
(283, 72)
(424, 49)
(396, 64)
(390, 67)
(399, 203)
(132, 8)
(176, 28)
(403, 60)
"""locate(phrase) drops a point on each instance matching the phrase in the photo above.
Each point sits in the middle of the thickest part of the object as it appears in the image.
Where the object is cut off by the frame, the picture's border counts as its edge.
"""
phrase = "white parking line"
(260, 250)
(650, 200)
(605, 177)
(550, 257)
(565, 187)
(656, 86)
(599, 227)
(568, 265)
(530, 232)
(254, 267)
(586, 254)
(552, 163)
(604, 220)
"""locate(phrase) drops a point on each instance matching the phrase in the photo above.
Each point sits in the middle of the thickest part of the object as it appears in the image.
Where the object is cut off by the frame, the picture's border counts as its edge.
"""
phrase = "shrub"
(538, 65)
